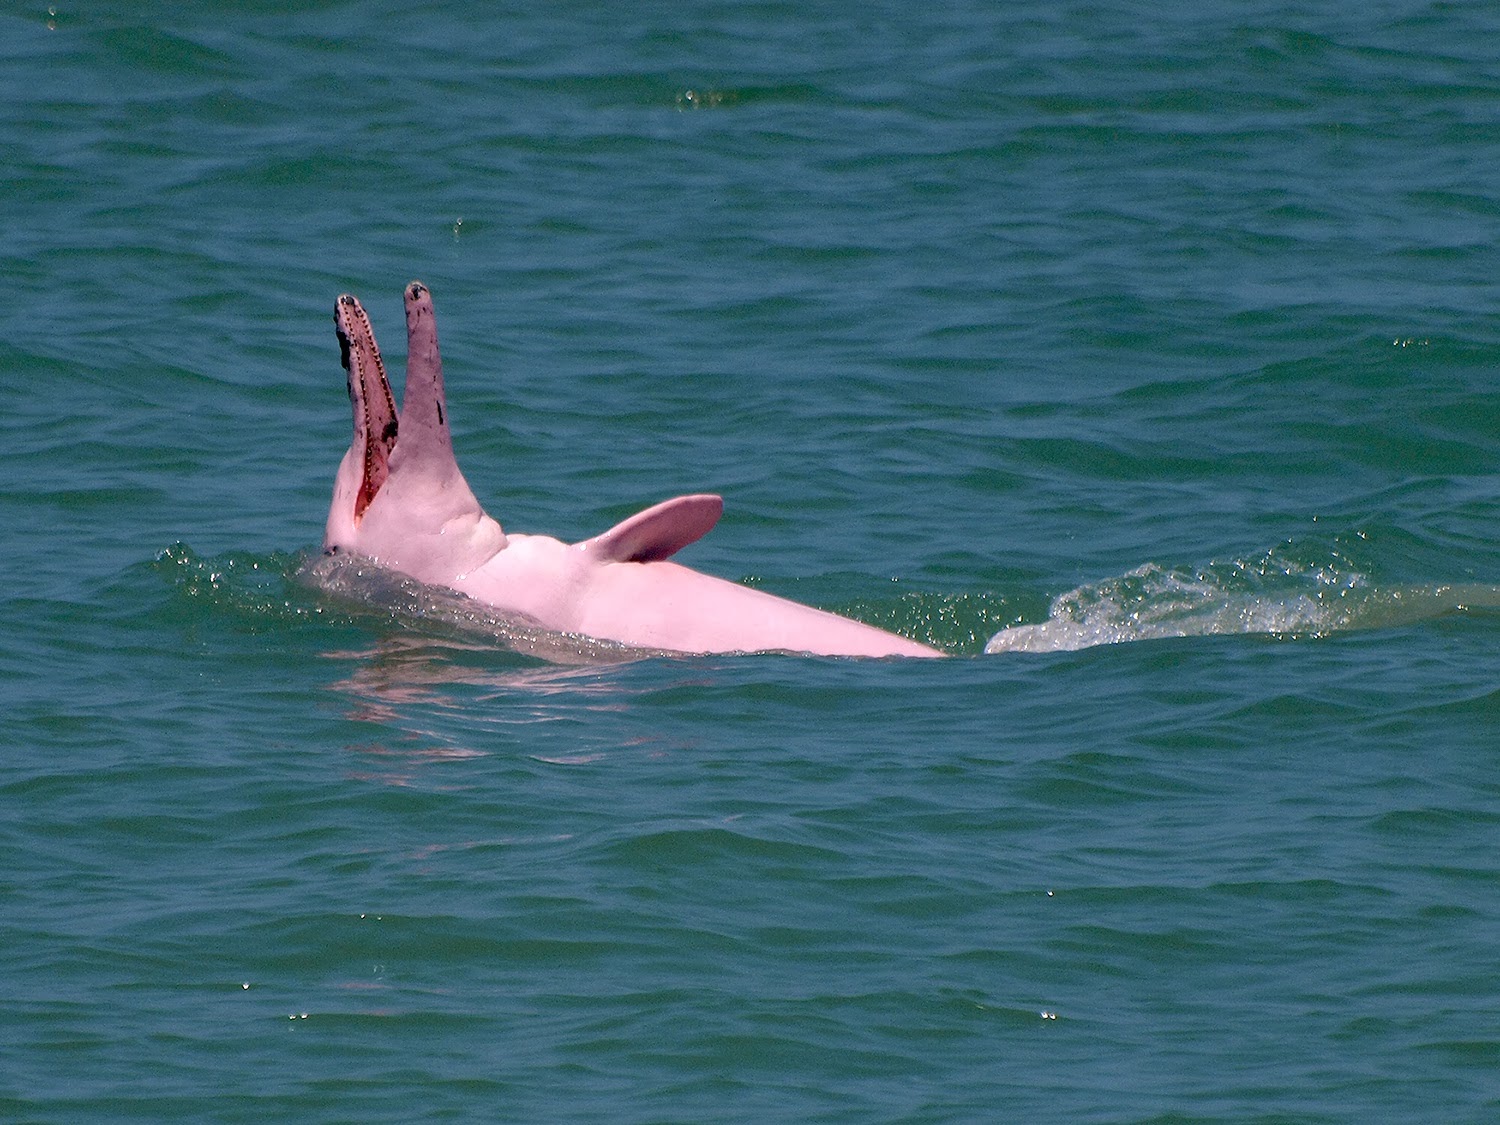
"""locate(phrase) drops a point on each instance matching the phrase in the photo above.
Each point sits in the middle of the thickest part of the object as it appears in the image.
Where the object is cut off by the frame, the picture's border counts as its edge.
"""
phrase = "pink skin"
(400, 499)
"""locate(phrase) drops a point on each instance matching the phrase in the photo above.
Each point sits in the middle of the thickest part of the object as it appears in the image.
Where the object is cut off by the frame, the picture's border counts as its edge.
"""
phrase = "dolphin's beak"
(375, 418)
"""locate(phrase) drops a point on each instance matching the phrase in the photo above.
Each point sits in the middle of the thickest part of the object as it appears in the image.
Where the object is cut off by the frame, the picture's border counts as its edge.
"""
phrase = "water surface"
(1101, 322)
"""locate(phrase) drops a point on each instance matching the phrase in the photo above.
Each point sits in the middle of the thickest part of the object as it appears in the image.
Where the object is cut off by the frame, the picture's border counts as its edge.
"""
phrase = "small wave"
(1277, 594)
(253, 588)
(290, 590)
(360, 581)
(284, 590)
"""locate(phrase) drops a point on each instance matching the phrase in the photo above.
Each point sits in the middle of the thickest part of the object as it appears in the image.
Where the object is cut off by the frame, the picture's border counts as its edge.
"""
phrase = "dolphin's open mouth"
(375, 418)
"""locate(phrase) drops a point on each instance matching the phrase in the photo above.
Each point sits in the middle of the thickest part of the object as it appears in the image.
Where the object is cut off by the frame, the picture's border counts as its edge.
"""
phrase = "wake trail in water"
(1275, 595)
(1288, 592)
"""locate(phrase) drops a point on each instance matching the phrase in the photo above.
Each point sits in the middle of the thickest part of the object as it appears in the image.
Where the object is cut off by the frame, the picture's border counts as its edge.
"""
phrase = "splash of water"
(1278, 595)
(1287, 592)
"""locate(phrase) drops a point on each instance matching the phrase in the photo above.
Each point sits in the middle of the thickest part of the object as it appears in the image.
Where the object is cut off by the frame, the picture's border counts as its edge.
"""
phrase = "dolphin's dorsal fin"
(660, 531)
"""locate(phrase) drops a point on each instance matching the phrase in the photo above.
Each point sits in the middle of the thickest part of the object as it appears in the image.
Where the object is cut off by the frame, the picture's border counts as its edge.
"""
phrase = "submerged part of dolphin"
(400, 499)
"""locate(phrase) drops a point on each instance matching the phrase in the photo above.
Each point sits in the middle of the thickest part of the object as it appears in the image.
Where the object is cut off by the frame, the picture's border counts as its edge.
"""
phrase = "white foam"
(1272, 595)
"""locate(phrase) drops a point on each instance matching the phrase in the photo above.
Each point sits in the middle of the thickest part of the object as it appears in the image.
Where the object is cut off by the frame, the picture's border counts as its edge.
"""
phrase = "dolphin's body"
(400, 499)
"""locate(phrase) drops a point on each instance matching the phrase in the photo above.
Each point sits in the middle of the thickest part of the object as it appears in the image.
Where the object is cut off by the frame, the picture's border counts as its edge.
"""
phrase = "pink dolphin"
(400, 499)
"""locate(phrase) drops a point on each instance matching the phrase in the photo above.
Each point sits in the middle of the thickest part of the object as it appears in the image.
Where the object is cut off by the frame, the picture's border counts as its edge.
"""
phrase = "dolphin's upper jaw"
(375, 419)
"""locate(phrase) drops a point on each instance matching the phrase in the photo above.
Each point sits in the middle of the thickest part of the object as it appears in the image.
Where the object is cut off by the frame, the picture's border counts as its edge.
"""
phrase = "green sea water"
(1159, 345)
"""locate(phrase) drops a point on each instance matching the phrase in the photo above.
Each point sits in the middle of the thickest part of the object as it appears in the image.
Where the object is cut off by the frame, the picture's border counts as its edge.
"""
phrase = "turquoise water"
(1162, 344)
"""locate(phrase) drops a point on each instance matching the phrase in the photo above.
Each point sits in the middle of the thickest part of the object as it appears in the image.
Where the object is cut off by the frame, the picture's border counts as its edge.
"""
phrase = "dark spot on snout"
(441, 420)
(348, 301)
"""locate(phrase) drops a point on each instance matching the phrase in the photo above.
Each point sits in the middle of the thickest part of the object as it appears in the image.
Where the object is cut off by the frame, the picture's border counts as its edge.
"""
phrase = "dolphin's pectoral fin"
(660, 531)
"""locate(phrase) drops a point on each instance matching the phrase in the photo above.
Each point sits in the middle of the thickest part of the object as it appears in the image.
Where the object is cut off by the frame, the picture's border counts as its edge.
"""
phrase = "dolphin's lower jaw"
(400, 499)
(375, 425)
